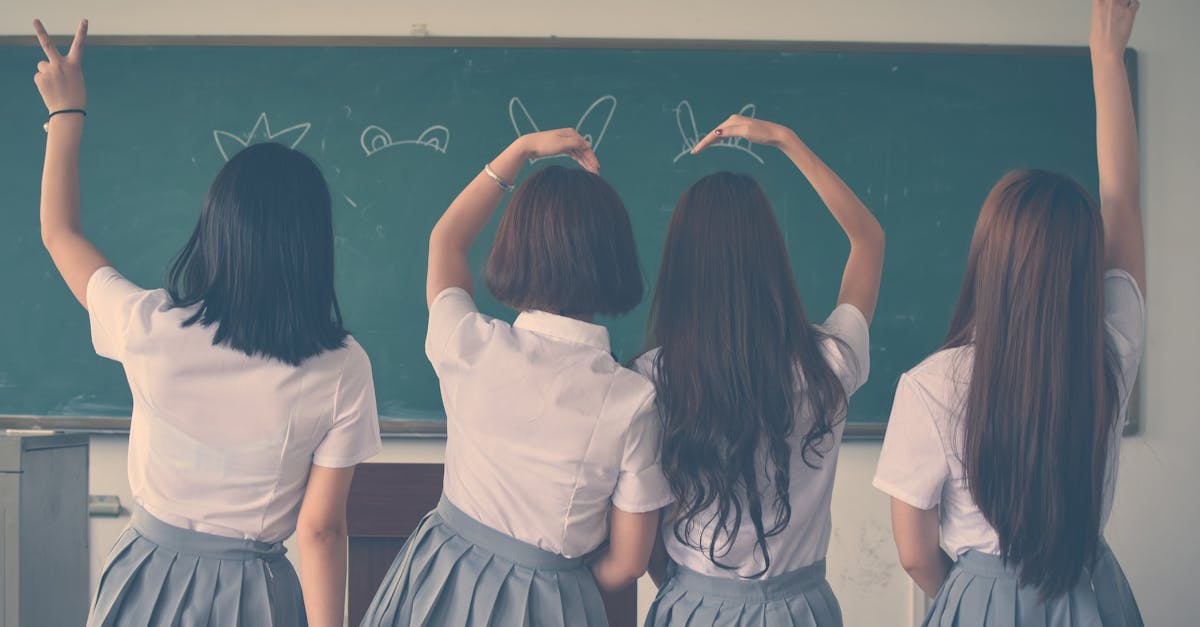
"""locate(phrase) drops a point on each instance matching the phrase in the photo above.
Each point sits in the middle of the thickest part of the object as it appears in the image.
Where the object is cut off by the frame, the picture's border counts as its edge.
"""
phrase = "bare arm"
(864, 267)
(657, 567)
(631, 539)
(918, 540)
(321, 534)
(60, 82)
(1116, 138)
(454, 233)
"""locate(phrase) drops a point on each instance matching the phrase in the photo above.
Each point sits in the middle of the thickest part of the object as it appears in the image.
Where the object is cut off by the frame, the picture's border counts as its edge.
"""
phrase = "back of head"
(1039, 411)
(259, 263)
(565, 245)
(733, 341)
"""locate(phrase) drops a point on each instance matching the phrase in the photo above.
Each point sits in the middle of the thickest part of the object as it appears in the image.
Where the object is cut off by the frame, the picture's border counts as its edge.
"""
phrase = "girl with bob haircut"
(550, 444)
(1003, 445)
(752, 397)
(251, 403)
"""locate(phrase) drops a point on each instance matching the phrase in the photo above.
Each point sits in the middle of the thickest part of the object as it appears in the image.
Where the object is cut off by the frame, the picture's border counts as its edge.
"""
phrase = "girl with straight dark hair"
(1002, 446)
(752, 397)
(251, 403)
(551, 449)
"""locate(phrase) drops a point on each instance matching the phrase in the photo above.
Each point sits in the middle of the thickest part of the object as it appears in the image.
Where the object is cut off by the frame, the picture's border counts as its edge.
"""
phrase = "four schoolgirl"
(710, 462)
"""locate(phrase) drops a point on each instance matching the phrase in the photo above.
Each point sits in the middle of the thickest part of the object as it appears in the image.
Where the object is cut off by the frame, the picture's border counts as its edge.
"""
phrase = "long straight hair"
(734, 344)
(1042, 400)
(259, 263)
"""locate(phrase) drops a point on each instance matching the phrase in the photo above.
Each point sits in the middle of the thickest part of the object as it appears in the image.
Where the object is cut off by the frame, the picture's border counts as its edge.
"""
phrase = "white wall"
(1158, 503)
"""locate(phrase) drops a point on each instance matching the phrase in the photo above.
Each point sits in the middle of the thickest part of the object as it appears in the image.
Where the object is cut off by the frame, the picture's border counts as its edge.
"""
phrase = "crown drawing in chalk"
(593, 124)
(229, 144)
(686, 121)
(376, 138)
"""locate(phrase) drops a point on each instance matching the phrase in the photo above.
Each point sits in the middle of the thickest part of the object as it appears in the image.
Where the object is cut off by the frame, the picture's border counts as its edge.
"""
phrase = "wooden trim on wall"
(553, 42)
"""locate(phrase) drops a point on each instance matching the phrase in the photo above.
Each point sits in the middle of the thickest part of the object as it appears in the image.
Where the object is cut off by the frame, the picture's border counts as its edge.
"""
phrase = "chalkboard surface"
(920, 133)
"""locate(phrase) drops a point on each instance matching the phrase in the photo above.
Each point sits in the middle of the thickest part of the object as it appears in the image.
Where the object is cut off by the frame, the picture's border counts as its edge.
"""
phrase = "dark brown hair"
(734, 342)
(565, 246)
(1040, 407)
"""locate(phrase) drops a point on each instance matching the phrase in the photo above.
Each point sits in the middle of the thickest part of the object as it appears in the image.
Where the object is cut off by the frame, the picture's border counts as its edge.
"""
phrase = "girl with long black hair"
(251, 403)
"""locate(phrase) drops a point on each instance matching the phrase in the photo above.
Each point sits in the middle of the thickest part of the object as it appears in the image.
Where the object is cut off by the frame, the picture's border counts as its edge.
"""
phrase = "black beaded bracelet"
(46, 126)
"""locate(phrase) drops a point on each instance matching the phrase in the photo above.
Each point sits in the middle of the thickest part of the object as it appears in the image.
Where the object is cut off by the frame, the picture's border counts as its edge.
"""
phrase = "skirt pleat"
(158, 575)
(455, 571)
(981, 590)
(801, 598)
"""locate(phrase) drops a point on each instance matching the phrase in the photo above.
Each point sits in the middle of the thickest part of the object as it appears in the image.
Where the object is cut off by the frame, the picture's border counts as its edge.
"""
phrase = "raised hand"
(563, 141)
(59, 79)
(753, 129)
(1112, 21)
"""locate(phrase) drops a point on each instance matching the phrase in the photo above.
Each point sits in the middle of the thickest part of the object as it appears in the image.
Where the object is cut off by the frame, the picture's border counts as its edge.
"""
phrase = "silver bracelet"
(487, 168)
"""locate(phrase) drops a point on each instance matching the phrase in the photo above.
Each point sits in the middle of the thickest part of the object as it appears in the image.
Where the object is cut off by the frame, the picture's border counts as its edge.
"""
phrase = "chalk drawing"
(375, 138)
(686, 121)
(592, 125)
(230, 144)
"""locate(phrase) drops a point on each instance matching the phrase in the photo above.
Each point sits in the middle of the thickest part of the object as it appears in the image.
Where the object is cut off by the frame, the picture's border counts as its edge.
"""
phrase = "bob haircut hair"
(1040, 409)
(565, 246)
(260, 262)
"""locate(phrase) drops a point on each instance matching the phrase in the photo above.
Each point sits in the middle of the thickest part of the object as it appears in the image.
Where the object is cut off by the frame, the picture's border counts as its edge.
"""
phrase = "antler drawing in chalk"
(687, 128)
(593, 124)
(229, 144)
(375, 138)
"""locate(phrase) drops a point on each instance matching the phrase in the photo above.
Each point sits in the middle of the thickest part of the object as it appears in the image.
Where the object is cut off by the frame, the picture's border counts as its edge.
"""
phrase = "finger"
(44, 39)
(714, 136)
(43, 66)
(591, 162)
(77, 44)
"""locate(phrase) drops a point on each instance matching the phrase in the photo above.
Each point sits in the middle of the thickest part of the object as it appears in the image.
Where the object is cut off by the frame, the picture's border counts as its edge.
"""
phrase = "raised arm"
(454, 233)
(860, 279)
(60, 81)
(1117, 139)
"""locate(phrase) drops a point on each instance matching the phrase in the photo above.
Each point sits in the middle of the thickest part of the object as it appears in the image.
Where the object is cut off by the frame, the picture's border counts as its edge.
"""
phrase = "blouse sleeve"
(849, 352)
(912, 465)
(1125, 325)
(641, 485)
(447, 313)
(354, 435)
(111, 300)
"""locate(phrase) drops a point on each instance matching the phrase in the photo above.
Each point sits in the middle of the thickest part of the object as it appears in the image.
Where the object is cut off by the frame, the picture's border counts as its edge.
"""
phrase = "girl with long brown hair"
(752, 397)
(1003, 445)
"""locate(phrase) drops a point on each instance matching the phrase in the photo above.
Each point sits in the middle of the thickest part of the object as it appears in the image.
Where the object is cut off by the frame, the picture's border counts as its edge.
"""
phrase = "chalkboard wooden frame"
(437, 429)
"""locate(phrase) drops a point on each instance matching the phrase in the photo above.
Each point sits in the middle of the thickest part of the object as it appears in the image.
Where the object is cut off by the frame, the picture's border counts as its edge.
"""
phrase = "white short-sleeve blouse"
(920, 461)
(545, 431)
(805, 540)
(221, 442)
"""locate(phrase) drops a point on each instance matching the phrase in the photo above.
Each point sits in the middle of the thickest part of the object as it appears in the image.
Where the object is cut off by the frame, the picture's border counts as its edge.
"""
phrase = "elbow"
(915, 564)
(326, 533)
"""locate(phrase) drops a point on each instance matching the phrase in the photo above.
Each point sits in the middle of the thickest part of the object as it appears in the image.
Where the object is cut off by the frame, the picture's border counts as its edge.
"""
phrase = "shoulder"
(644, 364)
(939, 382)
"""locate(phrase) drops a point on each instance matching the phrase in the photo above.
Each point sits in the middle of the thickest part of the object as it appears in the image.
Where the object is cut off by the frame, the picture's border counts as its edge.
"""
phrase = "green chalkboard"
(920, 133)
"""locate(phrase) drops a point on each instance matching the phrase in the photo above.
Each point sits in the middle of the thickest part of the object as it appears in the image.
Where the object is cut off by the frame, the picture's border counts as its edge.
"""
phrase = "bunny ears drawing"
(593, 124)
(686, 120)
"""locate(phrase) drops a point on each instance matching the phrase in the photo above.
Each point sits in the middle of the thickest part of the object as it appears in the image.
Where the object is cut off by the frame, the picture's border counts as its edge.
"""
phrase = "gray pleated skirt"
(801, 598)
(981, 590)
(455, 571)
(161, 575)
